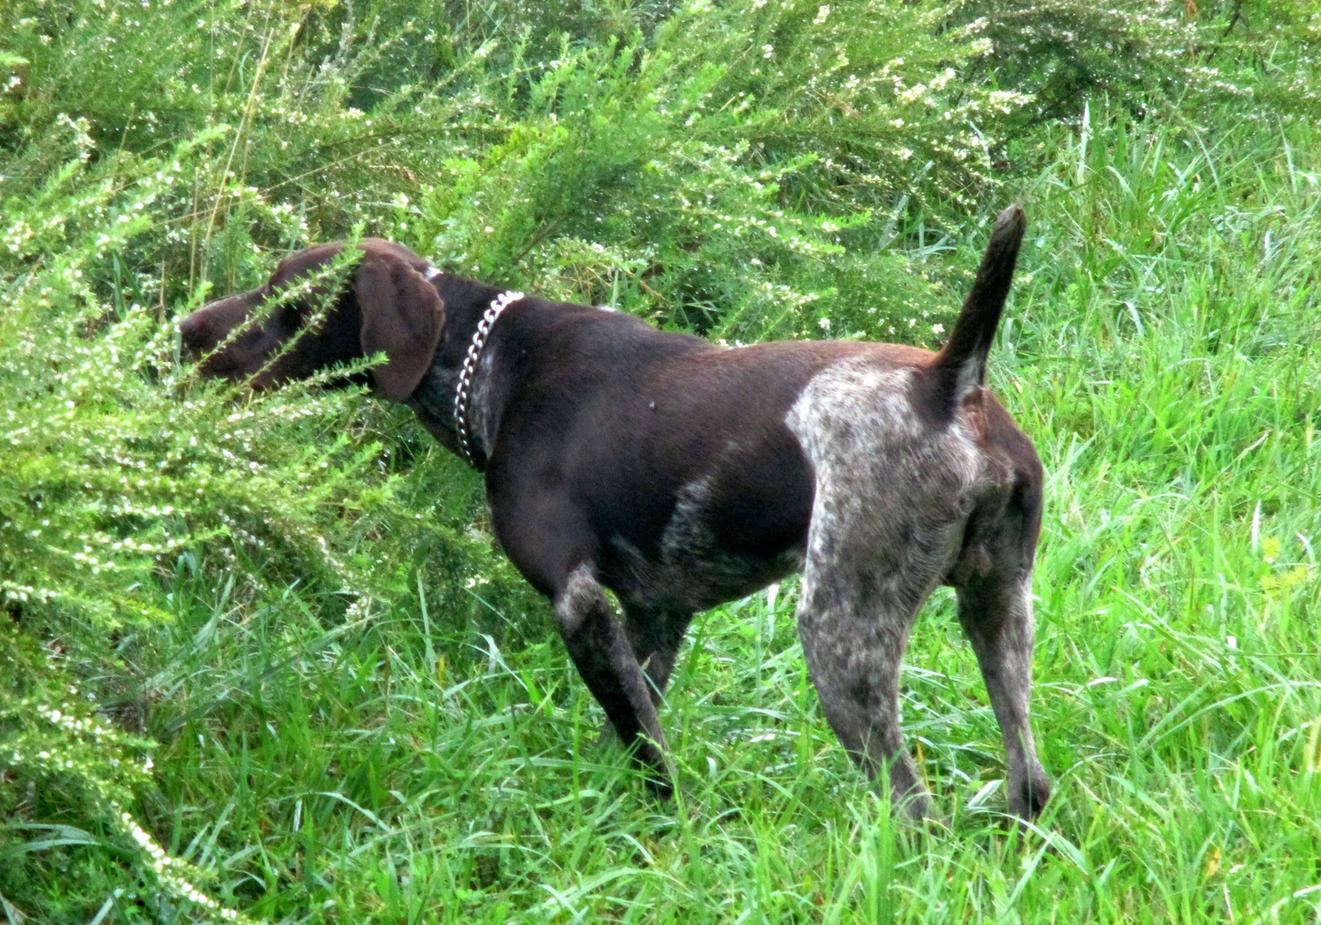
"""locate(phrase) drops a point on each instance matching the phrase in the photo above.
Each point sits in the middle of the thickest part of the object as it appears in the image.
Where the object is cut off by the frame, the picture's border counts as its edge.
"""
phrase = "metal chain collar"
(463, 394)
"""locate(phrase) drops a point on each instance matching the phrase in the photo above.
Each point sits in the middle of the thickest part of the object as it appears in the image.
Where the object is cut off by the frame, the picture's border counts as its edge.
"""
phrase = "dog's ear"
(402, 317)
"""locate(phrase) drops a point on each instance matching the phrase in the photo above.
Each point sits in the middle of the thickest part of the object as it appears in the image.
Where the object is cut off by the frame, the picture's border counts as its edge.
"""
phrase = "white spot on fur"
(573, 602)
(891, 491)
(856, 390)
(687, 533)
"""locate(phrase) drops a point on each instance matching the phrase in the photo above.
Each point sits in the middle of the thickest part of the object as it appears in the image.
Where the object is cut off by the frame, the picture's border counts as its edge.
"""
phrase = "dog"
(680, 475)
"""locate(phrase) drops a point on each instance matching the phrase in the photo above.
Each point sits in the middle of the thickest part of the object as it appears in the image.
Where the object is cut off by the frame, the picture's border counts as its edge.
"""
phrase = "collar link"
(463, 393)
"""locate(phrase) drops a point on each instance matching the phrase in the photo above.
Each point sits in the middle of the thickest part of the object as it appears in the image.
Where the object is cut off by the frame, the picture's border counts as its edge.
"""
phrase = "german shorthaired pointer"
(681, 475)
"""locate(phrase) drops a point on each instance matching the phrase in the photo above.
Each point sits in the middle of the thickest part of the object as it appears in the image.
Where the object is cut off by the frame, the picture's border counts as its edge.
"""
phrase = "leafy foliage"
(1168, 55)
(249, 590)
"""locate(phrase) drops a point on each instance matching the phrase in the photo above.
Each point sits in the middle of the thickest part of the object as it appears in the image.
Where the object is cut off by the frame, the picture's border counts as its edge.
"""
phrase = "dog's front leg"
(656, 635)
(600, 649)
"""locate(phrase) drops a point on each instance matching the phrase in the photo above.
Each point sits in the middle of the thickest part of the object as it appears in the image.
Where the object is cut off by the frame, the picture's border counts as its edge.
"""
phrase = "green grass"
(409, 743)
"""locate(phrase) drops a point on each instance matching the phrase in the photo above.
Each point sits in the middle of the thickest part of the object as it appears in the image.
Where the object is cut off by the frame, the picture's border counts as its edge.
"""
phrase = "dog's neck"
(556, 344)
(456, 399)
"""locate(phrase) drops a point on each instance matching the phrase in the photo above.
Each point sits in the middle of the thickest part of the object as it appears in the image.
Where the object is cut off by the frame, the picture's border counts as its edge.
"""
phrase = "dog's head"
(296, 323)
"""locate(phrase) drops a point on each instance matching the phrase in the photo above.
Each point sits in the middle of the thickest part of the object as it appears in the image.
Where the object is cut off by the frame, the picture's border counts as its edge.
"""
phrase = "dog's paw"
(660, 785)
(1028, 795)
(915, 807)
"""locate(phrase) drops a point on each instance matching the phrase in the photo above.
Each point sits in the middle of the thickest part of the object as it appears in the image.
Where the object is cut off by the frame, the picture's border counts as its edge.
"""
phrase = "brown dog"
(681, 475)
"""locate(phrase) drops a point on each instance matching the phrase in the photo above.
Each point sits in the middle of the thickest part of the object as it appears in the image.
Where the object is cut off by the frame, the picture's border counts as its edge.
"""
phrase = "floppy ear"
(402, 316)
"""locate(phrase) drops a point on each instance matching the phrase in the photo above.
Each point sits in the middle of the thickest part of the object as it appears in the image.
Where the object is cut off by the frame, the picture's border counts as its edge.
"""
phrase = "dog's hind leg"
(601, 651)
(887, 521)
(996, 613)
(854, 629)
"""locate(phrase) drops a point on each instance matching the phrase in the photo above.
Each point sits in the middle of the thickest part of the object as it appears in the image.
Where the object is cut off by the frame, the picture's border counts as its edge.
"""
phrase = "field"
(259, 657)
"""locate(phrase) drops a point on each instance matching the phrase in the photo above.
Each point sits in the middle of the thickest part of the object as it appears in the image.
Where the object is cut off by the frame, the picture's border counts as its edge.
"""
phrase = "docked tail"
(961, 365)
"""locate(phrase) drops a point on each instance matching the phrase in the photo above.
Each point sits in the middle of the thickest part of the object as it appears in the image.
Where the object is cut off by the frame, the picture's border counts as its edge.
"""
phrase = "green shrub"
(689, 173)
(121, 471)
(1171, 54)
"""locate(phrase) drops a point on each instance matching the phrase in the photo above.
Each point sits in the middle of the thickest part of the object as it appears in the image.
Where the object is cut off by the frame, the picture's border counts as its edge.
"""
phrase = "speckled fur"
(606, 660)
(891, 508)
(480, 424)
(884, 525)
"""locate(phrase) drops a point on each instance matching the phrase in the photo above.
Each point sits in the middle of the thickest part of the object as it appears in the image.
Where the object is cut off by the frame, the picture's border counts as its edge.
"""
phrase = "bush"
(1172, 54)
(120, 471)
(687, 176)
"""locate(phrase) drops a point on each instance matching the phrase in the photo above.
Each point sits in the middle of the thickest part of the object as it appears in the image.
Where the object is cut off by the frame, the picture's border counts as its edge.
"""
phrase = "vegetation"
(259, 659)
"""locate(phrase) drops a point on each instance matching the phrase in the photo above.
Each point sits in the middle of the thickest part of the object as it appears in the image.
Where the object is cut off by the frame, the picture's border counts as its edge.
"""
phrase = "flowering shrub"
(120, 471)
(691, 172)
(1171, 53)
(70, 756)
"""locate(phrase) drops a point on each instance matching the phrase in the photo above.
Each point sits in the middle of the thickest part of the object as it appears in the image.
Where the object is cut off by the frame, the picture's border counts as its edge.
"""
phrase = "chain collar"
(463, 394)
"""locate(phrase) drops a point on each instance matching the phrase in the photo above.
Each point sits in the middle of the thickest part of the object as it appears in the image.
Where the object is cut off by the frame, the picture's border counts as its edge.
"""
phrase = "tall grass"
(259, 656)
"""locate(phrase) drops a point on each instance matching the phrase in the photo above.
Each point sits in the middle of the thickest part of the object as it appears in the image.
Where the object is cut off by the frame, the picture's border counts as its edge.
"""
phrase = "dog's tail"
(961, 366)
